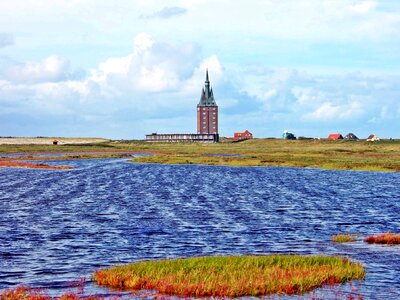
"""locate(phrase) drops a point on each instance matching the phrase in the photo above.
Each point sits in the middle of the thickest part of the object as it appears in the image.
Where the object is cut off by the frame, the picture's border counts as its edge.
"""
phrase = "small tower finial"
(207, 75)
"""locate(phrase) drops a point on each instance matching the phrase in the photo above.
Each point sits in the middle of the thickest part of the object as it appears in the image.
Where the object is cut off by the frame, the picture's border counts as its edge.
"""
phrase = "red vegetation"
(23, 292)
(384, 238)
(27, 293)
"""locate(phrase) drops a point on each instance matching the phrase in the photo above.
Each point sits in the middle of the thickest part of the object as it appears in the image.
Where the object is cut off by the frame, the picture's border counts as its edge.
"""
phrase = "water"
(59, 226)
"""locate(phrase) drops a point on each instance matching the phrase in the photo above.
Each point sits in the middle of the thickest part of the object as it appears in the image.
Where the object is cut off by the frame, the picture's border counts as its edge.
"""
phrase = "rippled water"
(58, 226)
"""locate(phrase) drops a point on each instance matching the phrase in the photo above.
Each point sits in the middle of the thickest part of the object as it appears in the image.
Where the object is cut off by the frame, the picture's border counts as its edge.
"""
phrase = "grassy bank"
(234, 276)
(340, 155)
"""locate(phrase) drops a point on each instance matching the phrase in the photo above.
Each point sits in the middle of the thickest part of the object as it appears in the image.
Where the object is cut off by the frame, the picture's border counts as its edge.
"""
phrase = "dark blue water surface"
(59, 226)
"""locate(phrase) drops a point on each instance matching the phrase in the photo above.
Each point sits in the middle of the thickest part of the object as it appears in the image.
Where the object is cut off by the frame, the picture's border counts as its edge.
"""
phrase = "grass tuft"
(344, 238)
(384, 238)
(232, 276)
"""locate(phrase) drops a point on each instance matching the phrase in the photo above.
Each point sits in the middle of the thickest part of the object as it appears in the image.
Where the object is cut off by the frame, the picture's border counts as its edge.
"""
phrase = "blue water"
(59, 226)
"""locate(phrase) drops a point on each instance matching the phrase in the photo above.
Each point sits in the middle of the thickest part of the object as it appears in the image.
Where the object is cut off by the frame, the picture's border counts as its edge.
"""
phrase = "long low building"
(182, 137)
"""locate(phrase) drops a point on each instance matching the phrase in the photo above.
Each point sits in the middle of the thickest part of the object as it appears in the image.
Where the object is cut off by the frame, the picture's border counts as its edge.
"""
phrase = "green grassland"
(339, 155)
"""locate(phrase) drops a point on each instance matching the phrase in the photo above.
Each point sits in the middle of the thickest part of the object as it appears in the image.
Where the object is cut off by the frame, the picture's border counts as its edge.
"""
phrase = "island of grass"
(384, 238)
(232, 276)
(344, 238)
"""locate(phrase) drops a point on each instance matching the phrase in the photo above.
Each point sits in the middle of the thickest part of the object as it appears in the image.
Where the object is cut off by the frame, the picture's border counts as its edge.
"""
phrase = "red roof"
(335, 136)
(243, 135)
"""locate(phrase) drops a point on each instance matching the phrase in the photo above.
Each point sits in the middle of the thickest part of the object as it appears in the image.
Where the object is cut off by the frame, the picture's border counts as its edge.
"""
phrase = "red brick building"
(207, 122)
(207, 111)
(246, 135)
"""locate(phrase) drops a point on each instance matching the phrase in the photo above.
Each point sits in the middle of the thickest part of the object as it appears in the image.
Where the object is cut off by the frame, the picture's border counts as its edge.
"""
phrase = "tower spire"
(207, 97)
(207, 110)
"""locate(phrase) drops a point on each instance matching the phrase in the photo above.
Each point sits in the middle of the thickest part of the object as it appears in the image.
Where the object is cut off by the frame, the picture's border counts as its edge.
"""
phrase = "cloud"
(151, 67)
(51, 69)
(327, 112)
(6, 39)
(166, 13)
(364, 7)
(314, 105)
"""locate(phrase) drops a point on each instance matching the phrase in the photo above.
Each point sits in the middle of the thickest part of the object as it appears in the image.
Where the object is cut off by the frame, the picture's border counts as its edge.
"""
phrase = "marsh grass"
(384, 238)
(339, 155)
(344, 238)
(21, 164)
(231, 276)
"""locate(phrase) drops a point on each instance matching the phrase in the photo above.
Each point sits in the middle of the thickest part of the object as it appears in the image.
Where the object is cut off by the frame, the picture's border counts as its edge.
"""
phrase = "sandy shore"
(49, 141)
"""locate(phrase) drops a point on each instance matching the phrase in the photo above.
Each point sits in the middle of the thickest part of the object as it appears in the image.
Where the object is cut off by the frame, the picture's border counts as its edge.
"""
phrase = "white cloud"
(50, 69)
(151, 67)
(364, 7)
(327, 112)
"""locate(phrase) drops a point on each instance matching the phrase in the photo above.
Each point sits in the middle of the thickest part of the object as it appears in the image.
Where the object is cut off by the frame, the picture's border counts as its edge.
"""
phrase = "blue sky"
(121, 69)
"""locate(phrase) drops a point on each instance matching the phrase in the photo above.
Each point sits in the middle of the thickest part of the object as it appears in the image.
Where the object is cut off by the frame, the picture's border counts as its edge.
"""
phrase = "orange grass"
(384, 238)
(232, 276)
(343, 238)
(26, 293)
(23, 292)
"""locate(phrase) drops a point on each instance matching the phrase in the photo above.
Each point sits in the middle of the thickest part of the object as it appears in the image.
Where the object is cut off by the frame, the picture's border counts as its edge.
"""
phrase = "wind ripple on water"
(56, 226)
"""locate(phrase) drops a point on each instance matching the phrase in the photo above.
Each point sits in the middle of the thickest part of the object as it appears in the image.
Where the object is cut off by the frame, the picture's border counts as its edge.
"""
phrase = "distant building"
(246, 135)
(207, 122)
(182, 137)
(351, 137)
(335, 136)
(373, 138)
(207, 111)
(288, 135)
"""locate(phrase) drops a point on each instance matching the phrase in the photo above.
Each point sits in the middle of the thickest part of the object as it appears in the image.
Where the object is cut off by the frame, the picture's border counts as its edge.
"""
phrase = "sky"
(123, 69)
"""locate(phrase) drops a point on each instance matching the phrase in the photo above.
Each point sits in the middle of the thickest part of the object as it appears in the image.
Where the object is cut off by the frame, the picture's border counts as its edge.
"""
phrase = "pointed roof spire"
(207, 95)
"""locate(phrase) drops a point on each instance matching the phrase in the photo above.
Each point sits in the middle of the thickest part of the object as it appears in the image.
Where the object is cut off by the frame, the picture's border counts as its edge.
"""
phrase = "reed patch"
(384, 238)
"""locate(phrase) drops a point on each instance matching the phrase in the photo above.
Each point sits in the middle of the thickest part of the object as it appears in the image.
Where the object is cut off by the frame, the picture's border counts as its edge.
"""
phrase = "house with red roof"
(246, 135)
(335, 136)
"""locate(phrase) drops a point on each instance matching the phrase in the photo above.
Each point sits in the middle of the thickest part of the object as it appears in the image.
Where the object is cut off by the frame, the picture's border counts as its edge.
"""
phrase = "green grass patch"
(232, 276)
(384, 238)
(344, 238)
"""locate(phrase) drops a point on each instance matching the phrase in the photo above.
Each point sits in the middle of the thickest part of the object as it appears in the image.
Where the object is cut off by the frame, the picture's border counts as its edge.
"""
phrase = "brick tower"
(207, 111)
